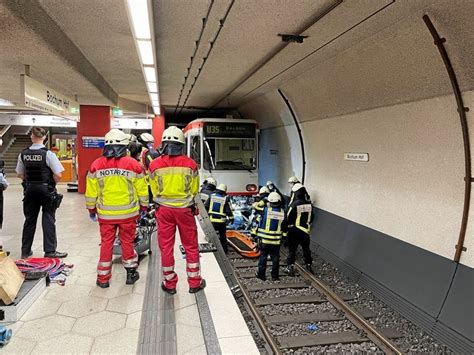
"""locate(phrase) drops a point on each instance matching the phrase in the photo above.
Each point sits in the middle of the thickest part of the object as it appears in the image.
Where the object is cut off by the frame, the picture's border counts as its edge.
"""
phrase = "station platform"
(83, 318)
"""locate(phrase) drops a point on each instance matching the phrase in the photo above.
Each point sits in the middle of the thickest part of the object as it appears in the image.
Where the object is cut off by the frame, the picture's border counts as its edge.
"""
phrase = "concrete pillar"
(95, 122)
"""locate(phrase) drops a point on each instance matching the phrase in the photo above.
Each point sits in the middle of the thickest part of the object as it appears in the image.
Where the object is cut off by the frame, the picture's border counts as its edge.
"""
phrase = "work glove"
(93, 216)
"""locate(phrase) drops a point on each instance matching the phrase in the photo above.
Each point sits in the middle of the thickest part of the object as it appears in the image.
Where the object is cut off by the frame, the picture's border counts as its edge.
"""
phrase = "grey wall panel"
(421, 277)
(456, 313)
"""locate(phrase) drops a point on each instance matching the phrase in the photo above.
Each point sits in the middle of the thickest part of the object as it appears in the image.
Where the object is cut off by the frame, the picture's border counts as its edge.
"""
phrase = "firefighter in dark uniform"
(272, 227)
(40, 170)
(300, 217)
(218, 207)
(208, 188)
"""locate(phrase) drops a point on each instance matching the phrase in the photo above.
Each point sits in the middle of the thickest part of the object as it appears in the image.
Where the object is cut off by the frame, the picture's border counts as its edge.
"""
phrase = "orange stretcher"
(242, 244)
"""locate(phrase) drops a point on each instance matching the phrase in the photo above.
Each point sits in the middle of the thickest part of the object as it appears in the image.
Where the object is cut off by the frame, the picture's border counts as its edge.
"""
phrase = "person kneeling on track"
(272, 226)
(174, 181)
(218, 207)
(208, 188)
(300, 217)
(116, 191)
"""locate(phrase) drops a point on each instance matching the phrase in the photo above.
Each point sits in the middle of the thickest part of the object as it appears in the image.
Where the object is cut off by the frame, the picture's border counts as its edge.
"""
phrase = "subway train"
(227, 150)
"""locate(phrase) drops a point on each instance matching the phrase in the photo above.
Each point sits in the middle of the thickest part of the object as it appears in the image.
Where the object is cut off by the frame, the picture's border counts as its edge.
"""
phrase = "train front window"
(230, 154)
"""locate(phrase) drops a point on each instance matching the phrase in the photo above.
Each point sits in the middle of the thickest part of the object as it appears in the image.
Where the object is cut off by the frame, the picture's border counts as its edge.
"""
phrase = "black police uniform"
(39, 192)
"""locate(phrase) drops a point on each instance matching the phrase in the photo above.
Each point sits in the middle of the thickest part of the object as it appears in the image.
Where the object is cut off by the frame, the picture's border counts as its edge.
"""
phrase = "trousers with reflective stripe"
(108, 232)
(169, 219)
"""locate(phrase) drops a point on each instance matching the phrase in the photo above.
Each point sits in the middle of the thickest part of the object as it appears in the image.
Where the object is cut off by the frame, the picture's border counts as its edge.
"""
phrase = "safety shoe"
(199, 288)
(26, 256)
(258, 276)
(102, 284)
(132, 276)
(55, 254)
(275, 278)
(309, 267)
(290, 270)
(171, 291)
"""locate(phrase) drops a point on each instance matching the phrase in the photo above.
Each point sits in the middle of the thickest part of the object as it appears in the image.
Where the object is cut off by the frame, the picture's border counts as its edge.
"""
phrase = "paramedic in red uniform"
(174, 181)
(116, 192)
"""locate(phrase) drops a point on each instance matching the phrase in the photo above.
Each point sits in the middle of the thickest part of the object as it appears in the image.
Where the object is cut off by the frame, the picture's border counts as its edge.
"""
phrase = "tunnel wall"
(391, 223)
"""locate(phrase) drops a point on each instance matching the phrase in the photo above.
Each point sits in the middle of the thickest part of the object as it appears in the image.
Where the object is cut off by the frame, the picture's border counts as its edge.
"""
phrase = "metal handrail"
(5, 130)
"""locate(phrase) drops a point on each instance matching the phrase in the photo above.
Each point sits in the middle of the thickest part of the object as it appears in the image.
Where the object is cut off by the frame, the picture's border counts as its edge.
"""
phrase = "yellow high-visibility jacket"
(116, 188)
(174, 181)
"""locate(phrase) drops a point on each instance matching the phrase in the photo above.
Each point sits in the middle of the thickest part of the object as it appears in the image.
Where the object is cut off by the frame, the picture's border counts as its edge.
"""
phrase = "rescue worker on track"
(148, 153)
(208, 187)
(292, 181)
(40, 170)
(300, 217)
(272, 188)
(174, 182)
(272, 226)
(116, 191)
(257, 209)
(218, 207)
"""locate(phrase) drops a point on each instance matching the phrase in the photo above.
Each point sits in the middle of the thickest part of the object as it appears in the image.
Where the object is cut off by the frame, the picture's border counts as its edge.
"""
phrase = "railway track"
(328, 321)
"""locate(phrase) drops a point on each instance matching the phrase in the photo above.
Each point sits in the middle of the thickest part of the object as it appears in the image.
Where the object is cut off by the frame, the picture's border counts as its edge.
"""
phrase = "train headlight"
(251, 187)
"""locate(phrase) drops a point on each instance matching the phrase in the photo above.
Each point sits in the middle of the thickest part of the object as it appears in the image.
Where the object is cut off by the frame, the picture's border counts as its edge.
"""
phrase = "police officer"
(174, 180)
(218, 207)
(208, 188)
(272, 226)
(300, 217)
(40, 170)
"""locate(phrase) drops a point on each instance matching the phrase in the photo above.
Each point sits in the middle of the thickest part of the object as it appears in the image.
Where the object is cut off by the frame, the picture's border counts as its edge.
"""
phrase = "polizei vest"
(36, 169)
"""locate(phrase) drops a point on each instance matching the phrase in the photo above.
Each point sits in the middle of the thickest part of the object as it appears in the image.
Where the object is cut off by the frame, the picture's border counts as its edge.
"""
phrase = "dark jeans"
(274, 252)
(36, 198)
(221, 229)
(298, 237)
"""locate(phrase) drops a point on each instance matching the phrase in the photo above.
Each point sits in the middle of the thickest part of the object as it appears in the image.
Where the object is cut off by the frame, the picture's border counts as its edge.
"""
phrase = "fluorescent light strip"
(150, 74)
(155, 103)
(146, 52)
(153, 97)
(156, 110)
(138, 10)
(152, 87)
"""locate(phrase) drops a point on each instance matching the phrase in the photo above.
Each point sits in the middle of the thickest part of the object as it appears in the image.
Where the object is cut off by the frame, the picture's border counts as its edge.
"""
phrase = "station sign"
(356, 156)
(93, 142)
(229, 129)
(36, 120)
(42, 98)
(131, 123)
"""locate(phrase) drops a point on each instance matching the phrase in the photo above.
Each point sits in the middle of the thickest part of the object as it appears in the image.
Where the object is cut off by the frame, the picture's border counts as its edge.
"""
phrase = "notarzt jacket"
(174, 181)
(116, 188)
(272, 225)
(218, 208)
(300, 215)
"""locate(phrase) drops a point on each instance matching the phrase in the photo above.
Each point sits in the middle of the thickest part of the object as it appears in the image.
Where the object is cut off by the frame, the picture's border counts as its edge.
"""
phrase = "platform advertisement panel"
(42, 98)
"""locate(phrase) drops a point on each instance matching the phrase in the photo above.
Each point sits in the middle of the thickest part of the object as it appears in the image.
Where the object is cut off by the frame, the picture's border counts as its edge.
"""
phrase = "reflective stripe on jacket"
(116, 188)
(272, 225)
(174, 181)
(300, 215)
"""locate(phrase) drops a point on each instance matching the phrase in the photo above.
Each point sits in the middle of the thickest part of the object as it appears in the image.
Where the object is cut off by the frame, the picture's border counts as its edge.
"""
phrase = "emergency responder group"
(117, 194)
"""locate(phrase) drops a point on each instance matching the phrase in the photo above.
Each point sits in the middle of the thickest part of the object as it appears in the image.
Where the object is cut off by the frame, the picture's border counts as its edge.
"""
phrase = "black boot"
(102, 284)
(290, 270)
(199, 288)
(132, 276)
(309, 267)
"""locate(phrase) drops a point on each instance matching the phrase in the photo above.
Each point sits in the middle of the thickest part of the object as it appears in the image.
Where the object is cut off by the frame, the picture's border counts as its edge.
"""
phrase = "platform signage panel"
(93, 142)
(356, 156)
(42, 98)
(131, 123)
(36, 120)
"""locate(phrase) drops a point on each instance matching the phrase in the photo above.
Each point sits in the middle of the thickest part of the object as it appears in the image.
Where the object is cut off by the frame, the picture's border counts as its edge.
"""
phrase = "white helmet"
(116, 136)
(264, 190)
(293, 180)
(222, 187)
(269, 182)
(211, 181)
(173, 134)
(296, 187)
(274, 197)
(147, 138)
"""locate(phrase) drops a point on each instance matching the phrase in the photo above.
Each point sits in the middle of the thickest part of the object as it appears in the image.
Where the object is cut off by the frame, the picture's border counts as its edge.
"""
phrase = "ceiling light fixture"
(141, 22)
(5, 102)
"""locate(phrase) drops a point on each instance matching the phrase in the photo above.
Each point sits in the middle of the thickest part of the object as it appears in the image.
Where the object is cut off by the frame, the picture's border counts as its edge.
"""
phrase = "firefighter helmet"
(173, 134)
(293, 180)
(274, 197)
(211, 181)
(264, 190)
(117, 137)
(222, 187)
(146, 138)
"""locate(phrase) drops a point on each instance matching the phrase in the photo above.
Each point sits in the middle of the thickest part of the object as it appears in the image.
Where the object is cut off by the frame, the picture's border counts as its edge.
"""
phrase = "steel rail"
(377, 337)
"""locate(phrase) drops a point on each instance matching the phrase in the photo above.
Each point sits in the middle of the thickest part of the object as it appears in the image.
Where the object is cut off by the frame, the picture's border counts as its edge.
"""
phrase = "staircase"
(10, 156)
